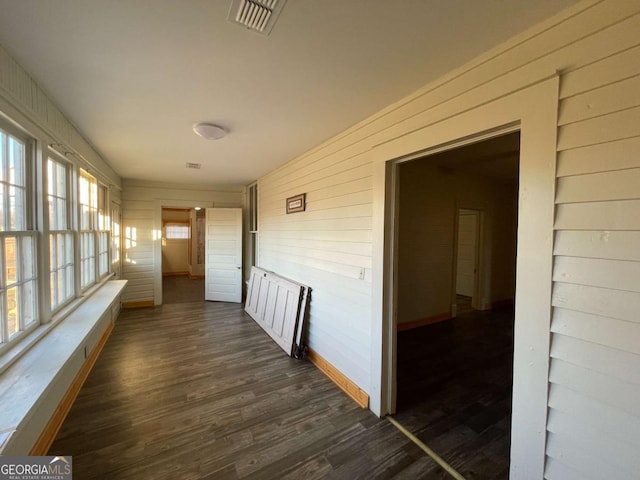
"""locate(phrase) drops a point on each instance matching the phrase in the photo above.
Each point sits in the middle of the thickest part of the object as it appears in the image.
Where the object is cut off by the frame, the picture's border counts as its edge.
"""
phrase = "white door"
(467, 252)
(223, 255)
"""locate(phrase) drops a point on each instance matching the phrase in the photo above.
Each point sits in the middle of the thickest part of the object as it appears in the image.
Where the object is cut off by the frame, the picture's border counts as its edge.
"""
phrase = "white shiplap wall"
(594, 396)
(23, 93)
(329, 246)
(594, 367)
(141, 203)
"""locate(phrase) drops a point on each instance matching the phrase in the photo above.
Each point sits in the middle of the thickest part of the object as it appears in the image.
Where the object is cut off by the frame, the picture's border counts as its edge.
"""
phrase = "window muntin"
(61, 238)
(176, 231)
(18, 280)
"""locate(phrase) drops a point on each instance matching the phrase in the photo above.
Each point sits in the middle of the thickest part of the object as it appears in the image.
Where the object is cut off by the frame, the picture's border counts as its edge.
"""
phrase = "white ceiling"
(135, 75)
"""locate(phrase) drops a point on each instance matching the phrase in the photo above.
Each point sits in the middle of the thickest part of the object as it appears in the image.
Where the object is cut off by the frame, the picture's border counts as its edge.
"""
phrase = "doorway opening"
(455, 270)
(467, 255)
(182, 255)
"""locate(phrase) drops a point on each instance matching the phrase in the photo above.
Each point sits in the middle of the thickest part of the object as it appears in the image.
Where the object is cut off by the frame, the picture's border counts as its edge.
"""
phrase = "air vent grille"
(256, 15)
(194, 165)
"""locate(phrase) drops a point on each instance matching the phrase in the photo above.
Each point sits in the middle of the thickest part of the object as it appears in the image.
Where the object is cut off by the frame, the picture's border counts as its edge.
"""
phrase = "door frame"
(533, 111)
(478, 283)
(156, 237)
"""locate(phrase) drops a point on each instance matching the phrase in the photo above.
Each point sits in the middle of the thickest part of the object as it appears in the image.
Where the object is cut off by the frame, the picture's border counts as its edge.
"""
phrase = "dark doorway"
(455, 335)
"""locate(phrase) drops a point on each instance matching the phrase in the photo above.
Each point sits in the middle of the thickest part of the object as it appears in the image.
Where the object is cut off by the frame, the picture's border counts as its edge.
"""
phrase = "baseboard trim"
(336, 376)
(142, 304)
(49, 433)
(441, 317)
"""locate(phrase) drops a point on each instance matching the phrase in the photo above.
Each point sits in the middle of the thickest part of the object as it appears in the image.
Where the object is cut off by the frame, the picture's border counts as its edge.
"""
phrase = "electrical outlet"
(362, 272)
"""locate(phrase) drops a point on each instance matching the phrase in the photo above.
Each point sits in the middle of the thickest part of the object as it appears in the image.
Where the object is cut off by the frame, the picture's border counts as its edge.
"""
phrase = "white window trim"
(29, 230)
(70, 227)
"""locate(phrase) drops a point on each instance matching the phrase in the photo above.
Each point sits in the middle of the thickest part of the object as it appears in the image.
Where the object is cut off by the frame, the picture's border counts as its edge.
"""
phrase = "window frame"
(103, 232)
(87, 238)
(69, 231)
(28, 231)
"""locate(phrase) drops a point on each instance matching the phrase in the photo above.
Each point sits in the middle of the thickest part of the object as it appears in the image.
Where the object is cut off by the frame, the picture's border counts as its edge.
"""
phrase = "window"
(17, 239)
(253, 224)
(61, 238)
(88, 206)
(253, 208)
(115, 238)
(176, 231)
(104, 220)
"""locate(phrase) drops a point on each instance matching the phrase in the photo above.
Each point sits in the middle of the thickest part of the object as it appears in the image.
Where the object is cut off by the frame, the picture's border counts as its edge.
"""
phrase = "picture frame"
(297, 203)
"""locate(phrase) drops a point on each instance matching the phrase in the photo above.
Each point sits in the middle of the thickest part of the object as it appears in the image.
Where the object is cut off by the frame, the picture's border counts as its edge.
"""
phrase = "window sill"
(31, 337)
(33, 384)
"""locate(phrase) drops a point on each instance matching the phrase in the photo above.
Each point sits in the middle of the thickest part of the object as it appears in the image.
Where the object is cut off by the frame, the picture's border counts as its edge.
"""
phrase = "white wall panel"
(25, 94)
(596, 48)
(595, 368)
(141, 204)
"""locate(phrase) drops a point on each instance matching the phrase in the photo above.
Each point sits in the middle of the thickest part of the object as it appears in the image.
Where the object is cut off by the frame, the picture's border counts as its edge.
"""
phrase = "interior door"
(467, 252)
(223, 255)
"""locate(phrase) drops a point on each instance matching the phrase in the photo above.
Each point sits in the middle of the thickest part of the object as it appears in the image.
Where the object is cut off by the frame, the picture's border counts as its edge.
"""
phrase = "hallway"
(198, 391)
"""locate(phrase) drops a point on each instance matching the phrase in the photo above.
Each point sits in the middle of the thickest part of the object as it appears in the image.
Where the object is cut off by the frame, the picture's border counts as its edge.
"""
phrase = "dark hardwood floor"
(454, 390)
(182, 289)
(198, 391)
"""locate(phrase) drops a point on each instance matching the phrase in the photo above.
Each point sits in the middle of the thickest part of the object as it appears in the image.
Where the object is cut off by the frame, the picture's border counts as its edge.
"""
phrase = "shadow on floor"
(182, 289)
(454, 384)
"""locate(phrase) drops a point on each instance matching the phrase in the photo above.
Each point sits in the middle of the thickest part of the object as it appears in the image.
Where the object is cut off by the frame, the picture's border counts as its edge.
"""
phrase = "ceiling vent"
(256, 15)
(194, 165)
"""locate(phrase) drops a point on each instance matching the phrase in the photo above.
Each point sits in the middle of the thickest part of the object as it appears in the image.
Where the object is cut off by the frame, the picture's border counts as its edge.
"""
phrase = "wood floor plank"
(197, 391)
(454, 390)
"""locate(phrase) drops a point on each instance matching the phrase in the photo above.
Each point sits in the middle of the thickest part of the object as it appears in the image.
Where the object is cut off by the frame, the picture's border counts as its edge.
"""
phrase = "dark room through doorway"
(457, 235)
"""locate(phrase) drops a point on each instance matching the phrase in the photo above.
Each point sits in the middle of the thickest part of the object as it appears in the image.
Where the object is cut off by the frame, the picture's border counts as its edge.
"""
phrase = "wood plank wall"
(139, 205)
(594, 376)
(22, 91)
(594, 416)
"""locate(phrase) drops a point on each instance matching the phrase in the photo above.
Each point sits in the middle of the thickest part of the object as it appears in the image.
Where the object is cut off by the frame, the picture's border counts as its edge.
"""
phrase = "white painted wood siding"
(23, 93)
(596, 48)
(140, 202)
(594, 412)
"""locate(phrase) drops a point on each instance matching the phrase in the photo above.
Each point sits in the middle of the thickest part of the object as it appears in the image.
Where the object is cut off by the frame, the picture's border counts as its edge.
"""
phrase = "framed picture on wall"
(296, 203)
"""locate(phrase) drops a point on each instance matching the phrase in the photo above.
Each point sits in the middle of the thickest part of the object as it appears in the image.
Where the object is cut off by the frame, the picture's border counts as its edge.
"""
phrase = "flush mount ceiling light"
(209, 131)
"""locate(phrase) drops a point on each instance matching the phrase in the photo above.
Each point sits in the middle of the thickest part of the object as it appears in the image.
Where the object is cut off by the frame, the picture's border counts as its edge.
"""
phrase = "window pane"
(61, 180)
(16, 162)
(53, 282)
(3, 215)
(10, 265)
(51, 177)
(12, 309)
(3, 159)
(27, 254)
(27, 303)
